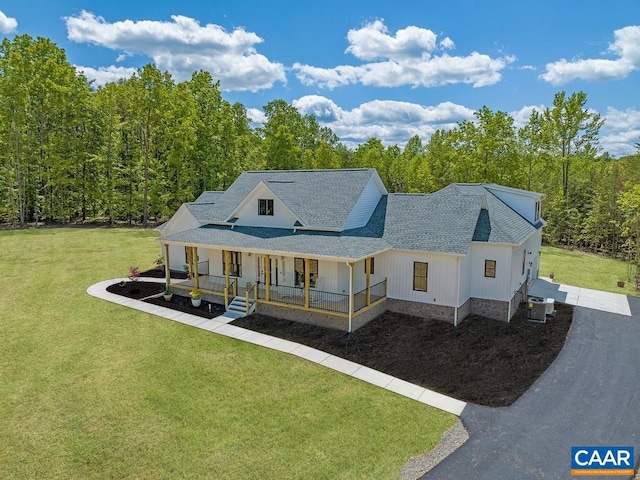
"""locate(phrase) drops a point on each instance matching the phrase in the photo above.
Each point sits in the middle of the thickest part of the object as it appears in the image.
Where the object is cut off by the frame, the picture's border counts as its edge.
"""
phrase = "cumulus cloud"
(183, 46)
(410, 57)
(620, 131)
(7, 24)
(391, 121)
(103, 75)
(626, 49)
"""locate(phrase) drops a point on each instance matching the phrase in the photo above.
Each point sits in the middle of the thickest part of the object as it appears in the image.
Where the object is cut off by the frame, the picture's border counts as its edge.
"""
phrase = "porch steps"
(239, 305)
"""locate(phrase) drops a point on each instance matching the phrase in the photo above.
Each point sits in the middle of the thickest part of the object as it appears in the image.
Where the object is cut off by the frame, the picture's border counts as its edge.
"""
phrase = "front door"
(273, 270)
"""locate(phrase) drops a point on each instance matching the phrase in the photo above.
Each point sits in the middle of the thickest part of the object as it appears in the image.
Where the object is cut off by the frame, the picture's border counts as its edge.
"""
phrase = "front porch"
(297, 289)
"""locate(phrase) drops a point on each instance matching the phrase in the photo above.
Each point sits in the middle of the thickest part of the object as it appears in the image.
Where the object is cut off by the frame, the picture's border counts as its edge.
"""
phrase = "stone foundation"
(320, 319)
(418, 309)
(495, 309)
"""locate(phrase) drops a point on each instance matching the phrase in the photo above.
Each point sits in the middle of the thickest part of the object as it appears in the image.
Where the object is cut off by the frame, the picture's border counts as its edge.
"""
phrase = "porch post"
(267, 278)
(189, 265)
(194, 259)
(307, 276)
(350, 294)
(167, 271)
(225, 254)
(367, 263)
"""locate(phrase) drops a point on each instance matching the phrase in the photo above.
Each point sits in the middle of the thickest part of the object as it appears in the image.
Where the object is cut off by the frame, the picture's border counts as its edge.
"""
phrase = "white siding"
(182, 220)
(248, 212)
(442, 284)
(532, 260)
(364, 207)
(176, 257)
(465, 280)
(497, 288)
(523, 203)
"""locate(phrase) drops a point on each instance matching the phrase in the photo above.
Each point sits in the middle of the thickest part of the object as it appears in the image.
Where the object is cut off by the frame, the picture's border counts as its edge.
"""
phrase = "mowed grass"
(587, 270)
(89, 389)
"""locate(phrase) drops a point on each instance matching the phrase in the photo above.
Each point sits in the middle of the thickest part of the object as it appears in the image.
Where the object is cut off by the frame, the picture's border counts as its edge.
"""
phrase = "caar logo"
(602, 461)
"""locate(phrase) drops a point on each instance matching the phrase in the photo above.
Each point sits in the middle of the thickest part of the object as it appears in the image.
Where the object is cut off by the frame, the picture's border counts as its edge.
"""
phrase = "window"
(235, 264)
(490, 268)
(538, 210)
(265, 206)
(373, 268)
(299, 264)
(420, 274)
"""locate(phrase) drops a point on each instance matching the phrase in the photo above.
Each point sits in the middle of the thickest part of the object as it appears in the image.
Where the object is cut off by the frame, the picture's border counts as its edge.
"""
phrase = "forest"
(133, 151)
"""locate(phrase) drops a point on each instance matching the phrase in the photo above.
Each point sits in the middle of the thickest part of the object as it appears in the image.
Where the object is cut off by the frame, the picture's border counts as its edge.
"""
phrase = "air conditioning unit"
(537, 309)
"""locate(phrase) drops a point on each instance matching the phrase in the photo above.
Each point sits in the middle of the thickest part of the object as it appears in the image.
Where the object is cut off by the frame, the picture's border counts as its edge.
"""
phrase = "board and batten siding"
(532, 244)
(465, 279)
(182, 220)
(247, 214)
(524, 203)
(497, 288)
(442, 286)
(365, 206)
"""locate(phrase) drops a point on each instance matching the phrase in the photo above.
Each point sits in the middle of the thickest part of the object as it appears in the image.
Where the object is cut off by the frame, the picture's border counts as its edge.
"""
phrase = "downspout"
(350, 293)
(455, 314)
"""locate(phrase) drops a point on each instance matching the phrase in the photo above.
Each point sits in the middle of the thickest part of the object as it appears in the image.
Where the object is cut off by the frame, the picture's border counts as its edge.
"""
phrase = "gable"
(247, 214)
(366, 204)
(521, 201)
(182, 220)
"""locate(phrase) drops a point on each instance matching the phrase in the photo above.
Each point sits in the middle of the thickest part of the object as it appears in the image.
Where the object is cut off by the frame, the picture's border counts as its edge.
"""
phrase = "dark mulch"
(158, 272)
(482, 361)
(141, 289)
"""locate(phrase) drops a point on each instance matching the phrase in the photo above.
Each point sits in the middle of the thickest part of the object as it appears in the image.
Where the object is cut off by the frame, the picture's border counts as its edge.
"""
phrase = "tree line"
(135, 150)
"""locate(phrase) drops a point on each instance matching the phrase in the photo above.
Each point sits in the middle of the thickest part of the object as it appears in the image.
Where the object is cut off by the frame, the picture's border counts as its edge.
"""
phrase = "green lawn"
(89, 389)
(587, 270)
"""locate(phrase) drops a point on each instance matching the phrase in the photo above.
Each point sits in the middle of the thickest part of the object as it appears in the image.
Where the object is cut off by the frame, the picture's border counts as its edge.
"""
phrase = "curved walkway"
(589, 396)
(220, 326)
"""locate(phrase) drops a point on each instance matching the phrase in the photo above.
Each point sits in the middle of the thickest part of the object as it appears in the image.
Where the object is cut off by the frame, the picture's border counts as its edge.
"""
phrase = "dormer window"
(265, 206)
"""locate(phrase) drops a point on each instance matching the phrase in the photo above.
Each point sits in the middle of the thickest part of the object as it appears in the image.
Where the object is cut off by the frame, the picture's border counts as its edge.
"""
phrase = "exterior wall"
(498, 288)
(321, 319)
(176, 257)
(365, 206)
(182, 220)
(496, 309)
(464, 311)
(248, 212)
(424, 310)
(442, 285)
(465, 280)
(522, 202)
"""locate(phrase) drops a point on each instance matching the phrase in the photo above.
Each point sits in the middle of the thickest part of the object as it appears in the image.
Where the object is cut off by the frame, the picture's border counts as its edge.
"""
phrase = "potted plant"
(621, 283)
(196, 297)
(168, 293)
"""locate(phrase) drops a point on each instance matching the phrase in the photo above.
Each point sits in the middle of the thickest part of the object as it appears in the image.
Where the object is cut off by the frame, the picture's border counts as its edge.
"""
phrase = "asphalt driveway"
(589, 396)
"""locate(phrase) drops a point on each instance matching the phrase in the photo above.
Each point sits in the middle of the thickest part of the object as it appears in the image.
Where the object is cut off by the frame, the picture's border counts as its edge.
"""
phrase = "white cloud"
(256, 116)
(626, 47)
(103, 75)
(521, 116)
(391, 121)
(7, 24)
(620, 131)
(183, 46)
(407, 58)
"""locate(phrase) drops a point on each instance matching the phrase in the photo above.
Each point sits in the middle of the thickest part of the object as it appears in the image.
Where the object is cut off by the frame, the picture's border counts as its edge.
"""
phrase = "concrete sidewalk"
(581, 297)
(220, 325)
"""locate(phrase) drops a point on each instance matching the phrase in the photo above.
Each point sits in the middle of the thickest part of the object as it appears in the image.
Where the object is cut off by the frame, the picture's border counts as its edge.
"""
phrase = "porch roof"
(345, 246)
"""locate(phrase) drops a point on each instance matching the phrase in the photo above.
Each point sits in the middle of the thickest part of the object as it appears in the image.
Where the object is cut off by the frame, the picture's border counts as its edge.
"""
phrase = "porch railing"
(376, 292)
(328, 301)
(251, 297)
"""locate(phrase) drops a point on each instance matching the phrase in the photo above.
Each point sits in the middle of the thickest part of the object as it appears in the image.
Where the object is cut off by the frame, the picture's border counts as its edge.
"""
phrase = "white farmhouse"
(334, 248)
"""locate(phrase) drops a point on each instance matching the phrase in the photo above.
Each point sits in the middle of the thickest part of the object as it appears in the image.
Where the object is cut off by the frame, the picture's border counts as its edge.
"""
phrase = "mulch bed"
(141, 289)
(482, 361)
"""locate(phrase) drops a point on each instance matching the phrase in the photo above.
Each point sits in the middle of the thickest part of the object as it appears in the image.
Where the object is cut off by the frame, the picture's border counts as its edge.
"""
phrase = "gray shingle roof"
(318, 198)
(446, 221)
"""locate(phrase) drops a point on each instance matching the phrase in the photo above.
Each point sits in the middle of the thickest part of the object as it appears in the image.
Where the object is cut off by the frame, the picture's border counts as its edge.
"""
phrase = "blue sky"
(384, 69)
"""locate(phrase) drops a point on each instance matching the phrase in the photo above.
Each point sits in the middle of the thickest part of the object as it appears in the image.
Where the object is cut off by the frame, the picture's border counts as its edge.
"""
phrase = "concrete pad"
(310, 354)
(210, 325)
(405, 388)
(340, 364)
(187, 319)
(443, 402)
(372, 376)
